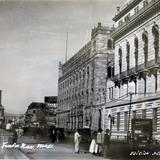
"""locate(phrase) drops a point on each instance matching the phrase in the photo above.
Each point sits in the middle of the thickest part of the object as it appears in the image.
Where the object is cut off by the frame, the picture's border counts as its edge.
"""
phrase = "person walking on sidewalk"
(77, 138)
(99, 141)
(8, 125)
(106, 143)
(92, 148)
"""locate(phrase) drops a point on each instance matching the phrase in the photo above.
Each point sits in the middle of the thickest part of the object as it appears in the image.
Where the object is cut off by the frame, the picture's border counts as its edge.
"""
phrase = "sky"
(33, 41)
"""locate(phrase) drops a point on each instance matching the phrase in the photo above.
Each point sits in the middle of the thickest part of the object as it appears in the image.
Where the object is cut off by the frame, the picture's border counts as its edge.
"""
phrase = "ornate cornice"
(126, 9)
(137, 19)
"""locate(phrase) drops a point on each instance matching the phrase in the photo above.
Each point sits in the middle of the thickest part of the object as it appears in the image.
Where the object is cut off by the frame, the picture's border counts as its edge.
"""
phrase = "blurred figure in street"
(106, 143)
(15, 136)
(92, 148)
(53, 135)
(58, 135)
(8, 125)
(77, 139)
(99, 141)
(129, 137)
(19, 132)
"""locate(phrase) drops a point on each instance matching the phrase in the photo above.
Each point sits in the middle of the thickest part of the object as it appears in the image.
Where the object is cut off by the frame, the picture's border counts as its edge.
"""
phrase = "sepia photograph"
(80, 79)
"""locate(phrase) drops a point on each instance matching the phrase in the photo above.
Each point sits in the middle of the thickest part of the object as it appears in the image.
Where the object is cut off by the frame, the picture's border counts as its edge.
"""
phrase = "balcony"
(151, 64)
(140, 67)
(132, 71)
(123, 75)
(115, 78)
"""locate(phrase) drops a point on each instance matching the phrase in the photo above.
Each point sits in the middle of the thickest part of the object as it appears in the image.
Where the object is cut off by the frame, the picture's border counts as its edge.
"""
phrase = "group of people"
(14, 130)
(99, 144)
(96, 143)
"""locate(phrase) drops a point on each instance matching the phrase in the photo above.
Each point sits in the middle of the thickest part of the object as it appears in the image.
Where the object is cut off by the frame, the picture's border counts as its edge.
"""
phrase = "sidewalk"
(32, 140)
(12, 154)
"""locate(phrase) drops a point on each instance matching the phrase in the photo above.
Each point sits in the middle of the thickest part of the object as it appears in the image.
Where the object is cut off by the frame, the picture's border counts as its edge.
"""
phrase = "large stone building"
(134, 91)
(82, 83)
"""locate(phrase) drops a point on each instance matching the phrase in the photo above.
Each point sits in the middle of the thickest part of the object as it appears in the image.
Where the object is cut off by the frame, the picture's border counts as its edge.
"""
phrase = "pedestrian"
(99, 141)
(106, 143)
(77, 138)
(15, 136)
(53, 135)
(58, 135)
(8, 125)
(93, 144)
(129, 137)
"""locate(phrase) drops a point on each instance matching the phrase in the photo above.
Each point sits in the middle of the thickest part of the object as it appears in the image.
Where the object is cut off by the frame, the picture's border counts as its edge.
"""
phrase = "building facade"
(2, 118)
(50, 110)
(135, 85)
(82, 83)
(35, 115)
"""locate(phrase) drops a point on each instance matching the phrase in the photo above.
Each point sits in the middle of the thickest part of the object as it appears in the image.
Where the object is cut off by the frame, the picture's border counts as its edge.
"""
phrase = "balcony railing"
(140, 67)
(132, 71)
(123, 74)
(135, 70)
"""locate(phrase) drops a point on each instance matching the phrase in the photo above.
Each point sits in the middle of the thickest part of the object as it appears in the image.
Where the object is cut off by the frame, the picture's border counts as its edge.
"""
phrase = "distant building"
(18, 119)
(50, 110)
(35, 115)
(82, 83)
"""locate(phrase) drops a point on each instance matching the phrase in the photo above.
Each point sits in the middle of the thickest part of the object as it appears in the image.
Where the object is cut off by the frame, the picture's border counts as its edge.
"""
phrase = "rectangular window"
(156, 82)
(111, 93)
(120, 22)
(125, 121)
(145, 86)
(118, 121)
(134, 114)
(154, 119)
(143, 113)
(136, 9)
(145, 3)
(135, 86)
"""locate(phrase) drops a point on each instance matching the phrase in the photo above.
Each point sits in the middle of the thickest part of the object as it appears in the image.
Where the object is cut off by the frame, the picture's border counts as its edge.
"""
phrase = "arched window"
(145, 40)
(120, 60)
(80, 75)
(109, 71)
(83, 77)
(155, 31)
(136, 45)
(109, 44)
(128, 55)
(88, 70)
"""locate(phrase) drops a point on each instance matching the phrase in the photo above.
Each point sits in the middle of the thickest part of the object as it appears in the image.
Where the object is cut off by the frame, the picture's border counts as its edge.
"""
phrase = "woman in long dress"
(76, 141)
(92, 147)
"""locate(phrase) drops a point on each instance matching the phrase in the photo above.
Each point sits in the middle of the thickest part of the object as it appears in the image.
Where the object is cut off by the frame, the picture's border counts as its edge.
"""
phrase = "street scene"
(80, 79)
